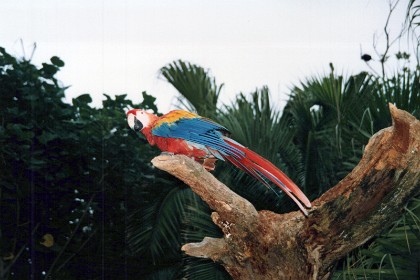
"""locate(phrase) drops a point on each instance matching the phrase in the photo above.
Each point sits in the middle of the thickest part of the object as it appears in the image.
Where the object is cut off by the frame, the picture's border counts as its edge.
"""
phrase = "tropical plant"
(321, 134)
(402, 90)
(79, 198)
(413, 20)
(394, 254)
(70, 175)
(254, 123)
(322, 111)
(199, 91)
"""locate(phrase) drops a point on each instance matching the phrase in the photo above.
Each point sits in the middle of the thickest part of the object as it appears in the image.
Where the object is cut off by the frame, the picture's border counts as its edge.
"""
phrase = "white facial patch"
(138, 119)
(130, 120)
(143, 117)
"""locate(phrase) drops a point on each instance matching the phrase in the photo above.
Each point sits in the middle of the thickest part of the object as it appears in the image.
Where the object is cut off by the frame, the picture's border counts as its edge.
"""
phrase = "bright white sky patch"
(118, 47)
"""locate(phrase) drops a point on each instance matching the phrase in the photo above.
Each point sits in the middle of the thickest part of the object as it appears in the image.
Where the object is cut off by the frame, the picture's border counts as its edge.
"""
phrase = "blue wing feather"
(198, 130)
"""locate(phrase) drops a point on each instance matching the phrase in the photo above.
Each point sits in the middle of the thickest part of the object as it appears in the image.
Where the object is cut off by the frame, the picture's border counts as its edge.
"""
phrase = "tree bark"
(266, 245)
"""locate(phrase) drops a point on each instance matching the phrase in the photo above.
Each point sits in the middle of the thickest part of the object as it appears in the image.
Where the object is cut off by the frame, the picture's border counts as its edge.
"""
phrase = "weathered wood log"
(266, 245)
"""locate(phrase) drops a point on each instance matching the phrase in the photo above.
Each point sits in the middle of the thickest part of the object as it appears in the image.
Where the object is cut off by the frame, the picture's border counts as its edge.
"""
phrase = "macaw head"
(138, 119)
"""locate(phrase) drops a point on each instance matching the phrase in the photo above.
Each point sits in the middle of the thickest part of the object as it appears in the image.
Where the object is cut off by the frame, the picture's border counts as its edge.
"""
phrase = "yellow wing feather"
(173, 116)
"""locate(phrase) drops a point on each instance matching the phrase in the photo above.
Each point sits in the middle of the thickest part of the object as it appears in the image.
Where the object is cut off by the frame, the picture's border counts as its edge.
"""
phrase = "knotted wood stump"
(267, 245)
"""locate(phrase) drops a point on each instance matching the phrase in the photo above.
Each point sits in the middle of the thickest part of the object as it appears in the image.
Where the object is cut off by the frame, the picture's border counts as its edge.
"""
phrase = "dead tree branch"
(266, 245)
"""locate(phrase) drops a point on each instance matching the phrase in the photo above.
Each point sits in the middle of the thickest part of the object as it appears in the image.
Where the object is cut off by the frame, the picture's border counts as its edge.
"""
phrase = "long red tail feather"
(254, 162)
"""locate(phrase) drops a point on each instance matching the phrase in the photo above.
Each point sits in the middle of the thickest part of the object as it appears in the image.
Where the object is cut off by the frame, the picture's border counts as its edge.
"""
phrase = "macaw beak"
(137, 124)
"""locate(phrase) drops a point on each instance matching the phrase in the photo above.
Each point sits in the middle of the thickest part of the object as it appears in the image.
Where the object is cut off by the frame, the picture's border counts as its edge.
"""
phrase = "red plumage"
(182, 132)
(268, 169)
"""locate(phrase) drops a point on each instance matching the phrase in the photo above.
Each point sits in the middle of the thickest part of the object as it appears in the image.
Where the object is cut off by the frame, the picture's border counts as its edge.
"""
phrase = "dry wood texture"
(266, 245)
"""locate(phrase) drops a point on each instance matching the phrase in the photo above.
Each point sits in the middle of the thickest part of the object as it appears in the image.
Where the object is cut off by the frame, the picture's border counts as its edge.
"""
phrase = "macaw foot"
(209, 164)
(167, 154)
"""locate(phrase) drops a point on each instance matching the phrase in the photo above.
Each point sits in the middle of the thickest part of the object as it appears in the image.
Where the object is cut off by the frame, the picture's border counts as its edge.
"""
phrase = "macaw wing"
(197, 130)
(205, 132)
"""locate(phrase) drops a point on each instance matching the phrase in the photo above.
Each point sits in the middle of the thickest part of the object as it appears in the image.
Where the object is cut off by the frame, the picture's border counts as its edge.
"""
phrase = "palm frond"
(199, 92)
(153, 230)
(200, 269)
(413, 13)
(402, 90)
(394, 254)
(164, 273)
(196, 225)
(256, 124)
(320, 110)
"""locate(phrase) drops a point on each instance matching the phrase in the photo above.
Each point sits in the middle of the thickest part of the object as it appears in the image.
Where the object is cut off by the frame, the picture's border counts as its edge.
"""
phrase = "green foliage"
(322, 110)
(257, 125)
(165, 218)
(402, 90)
(413, 13)
(68, 171)
(394, 254)
(78, 173)
(199, 91)
(334, 119)
(319, 138)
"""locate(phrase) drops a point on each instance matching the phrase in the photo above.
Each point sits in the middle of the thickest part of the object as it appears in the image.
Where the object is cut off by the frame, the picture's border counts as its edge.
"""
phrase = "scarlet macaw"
(182, 132)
